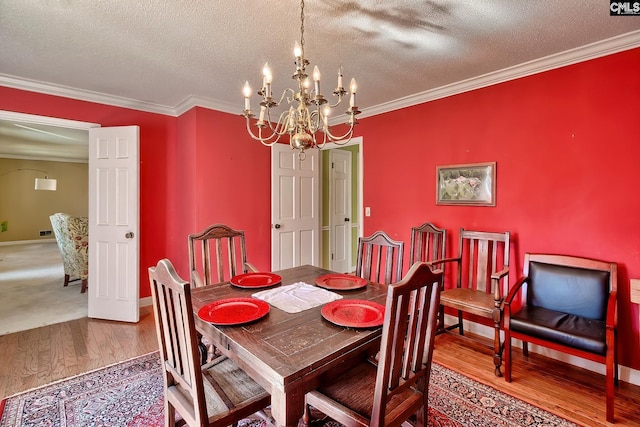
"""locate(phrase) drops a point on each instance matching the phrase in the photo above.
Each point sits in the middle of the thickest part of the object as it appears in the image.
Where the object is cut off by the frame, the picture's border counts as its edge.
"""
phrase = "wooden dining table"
(289, 354)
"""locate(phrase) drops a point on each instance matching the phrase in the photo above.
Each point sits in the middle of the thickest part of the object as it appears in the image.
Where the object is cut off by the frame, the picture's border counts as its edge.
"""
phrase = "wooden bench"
(568, 304)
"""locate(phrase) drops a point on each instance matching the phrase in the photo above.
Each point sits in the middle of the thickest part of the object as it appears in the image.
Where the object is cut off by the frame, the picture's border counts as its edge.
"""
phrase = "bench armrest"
(612, 307)
(515, 290)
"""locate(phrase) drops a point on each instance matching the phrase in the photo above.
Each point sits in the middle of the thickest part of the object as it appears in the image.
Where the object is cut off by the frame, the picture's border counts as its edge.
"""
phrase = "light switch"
(635, 291)
(367, 211)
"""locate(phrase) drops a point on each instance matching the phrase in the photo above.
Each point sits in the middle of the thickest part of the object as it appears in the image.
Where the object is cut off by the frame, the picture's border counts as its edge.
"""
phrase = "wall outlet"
(367, 211)
(635, 291)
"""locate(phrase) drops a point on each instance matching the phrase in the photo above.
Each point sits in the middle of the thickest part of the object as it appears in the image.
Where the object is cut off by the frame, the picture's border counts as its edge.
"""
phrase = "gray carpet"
(31, 291)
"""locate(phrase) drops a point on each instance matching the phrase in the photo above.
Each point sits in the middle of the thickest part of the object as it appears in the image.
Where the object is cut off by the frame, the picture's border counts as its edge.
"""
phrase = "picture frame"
(469, 184)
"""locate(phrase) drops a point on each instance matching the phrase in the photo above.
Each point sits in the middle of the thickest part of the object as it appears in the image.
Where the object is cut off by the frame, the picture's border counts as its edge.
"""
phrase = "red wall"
(224, 177)
(567, 147)
(566, 143)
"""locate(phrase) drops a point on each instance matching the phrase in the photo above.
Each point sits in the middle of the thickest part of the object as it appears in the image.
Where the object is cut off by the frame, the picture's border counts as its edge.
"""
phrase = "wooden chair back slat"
(428, 243)
(375, 249)
(482, 254)
(220, 244)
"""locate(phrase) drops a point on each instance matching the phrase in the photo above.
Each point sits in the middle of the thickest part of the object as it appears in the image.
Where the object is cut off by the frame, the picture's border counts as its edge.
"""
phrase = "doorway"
(60, 147)
(341, 230)
(317, 183)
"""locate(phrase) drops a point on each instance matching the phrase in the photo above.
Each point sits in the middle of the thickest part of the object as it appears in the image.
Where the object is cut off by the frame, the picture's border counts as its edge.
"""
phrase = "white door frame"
(45, 120)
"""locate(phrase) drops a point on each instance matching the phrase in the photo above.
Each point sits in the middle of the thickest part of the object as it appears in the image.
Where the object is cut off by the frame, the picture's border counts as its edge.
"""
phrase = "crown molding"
(197, 101)
(584, 53)
(83, 95)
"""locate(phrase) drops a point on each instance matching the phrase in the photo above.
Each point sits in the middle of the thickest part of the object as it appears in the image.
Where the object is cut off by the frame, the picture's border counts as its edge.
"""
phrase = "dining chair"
(223, 254)
(389, 392)
(379, 257)
(216, 394)
(481, 282)
(428, 243)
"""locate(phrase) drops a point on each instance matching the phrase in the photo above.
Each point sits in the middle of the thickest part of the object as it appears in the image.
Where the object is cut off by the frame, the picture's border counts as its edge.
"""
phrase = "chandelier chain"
(302, 27)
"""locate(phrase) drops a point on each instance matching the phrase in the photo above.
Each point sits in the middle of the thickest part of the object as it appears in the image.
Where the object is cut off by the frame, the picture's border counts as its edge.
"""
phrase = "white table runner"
(297, 297)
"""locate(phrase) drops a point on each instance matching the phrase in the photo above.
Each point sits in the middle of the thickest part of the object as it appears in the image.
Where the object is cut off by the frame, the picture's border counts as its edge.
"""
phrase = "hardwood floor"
(40, 356)
(570, 392)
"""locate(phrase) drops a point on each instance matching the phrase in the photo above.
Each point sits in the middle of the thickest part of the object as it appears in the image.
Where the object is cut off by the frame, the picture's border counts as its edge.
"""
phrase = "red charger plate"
(354, 313)
(341, 282)
(256, 280)
(233, 311)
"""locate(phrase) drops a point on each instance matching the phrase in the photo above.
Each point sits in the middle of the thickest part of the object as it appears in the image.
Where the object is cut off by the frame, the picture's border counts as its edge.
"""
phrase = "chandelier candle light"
(298, 121)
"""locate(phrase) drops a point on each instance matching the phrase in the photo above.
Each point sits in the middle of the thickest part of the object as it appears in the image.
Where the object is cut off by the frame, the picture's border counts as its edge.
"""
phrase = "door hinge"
(332, 257)
(332, 165)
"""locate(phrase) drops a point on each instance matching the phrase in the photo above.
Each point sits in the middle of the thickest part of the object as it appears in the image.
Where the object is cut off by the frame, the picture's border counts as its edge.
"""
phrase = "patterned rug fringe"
(130, 394)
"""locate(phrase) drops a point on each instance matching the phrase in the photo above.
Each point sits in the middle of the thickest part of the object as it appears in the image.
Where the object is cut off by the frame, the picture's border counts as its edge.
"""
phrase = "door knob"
(346, 220)
(277, 226)
(129, 235)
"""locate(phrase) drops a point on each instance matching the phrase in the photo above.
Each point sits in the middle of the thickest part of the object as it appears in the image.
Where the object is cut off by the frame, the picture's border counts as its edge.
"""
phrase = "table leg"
(287, 407)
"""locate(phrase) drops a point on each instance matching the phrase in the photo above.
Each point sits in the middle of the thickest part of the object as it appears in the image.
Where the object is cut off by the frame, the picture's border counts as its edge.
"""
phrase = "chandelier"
(308, 114)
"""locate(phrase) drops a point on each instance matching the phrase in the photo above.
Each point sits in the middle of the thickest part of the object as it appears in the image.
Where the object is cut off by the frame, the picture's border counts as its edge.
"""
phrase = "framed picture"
(473, 184)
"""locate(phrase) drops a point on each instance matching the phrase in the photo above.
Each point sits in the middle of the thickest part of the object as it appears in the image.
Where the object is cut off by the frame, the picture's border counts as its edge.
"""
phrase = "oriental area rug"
(130, 394)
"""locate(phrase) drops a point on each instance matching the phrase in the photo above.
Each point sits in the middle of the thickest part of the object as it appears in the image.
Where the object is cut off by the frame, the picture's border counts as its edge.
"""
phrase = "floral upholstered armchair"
(72, 235)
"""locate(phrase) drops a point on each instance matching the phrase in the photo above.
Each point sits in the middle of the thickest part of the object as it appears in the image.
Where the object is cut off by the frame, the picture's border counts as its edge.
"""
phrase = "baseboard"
(145, 302)
(24, 242)
(626, 374)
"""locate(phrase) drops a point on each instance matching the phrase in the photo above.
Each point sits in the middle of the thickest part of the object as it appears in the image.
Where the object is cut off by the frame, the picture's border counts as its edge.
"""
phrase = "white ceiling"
(169, 55)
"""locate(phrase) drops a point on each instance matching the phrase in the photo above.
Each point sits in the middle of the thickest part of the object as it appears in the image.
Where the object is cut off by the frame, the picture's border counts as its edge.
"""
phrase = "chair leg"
(440, 319)
(460, 326)
(497, 350)
(611, 376)
(507, 356)
(422, 414)
(169, 414)
(84, 286)
(66, 280)
(306, 416)
(525, 349)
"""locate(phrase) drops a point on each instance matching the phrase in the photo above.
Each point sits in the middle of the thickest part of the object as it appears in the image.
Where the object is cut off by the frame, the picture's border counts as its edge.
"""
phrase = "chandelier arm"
(280, 127)
(282, 97)
(336, 104)
(334, 138)
(314, 121)
(264, 140)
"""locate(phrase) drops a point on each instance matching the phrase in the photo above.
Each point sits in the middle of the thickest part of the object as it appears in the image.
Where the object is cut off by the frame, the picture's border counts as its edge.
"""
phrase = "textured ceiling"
(169, 54)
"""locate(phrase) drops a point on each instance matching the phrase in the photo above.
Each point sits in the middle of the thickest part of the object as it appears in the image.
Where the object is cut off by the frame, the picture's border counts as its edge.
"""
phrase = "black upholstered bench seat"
(561, 328)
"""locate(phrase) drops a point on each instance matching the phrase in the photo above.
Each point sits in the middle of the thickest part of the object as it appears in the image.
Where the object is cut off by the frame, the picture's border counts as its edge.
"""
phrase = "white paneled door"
(340, 208)
(295, 211)
(114, 287)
